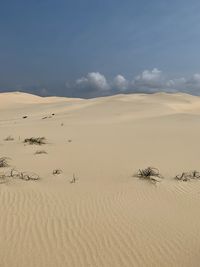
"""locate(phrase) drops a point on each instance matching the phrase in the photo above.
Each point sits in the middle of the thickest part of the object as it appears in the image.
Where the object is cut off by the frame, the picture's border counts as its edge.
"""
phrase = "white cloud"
(149, 78)
(93, 80)
(195, 79)
(192, 85)
(178, 82)
(120, 83)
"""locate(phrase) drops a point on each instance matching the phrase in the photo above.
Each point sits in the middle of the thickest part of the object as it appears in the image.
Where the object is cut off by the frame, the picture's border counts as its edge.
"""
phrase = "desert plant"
(35, 140)
(150, 173)
(57, 171)
(27, 176)
(3, 178)
(187, 176)
(38, 152)
(4, 162)
(74, 179)
(46, 117)
(14, 173)
(9, 138)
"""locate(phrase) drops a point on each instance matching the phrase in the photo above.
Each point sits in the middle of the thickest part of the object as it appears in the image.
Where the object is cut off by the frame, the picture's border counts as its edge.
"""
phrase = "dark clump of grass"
(28, 176)
(74, 179)
(38, 152)
(57, 171)
(187, 176)
(4, 162)
(9, 138)
(150, 173)
(3, 178)
(35, 140)
(15, 174)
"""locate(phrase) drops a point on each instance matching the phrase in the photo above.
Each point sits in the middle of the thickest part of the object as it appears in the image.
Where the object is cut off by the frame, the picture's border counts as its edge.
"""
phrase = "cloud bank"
(120, 83)
(148, 81)
(93, 80)
(149, 78)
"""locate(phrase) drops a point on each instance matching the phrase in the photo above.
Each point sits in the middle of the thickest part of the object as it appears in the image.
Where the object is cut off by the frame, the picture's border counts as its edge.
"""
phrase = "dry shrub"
(4, 162)
(150, 173)
(27, 176)
(35, 140)
(38, 152)
(3, 178)
(57, 171)
(9, 138)
(13, 173)
(187, 176)
(74, 179)
(46, 117)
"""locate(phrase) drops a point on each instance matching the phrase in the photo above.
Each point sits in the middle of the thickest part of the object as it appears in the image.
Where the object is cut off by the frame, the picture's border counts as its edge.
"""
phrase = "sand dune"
(107, 217)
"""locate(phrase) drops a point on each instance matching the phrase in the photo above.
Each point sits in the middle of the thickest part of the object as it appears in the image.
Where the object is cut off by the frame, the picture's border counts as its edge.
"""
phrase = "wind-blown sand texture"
(107, 218)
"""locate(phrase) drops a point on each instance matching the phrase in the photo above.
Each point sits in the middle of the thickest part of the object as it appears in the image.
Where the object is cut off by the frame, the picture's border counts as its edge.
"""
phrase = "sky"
(89, 48)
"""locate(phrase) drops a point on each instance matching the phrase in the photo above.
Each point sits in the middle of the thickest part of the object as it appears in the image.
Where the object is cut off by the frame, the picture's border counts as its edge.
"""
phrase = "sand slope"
(107, 218)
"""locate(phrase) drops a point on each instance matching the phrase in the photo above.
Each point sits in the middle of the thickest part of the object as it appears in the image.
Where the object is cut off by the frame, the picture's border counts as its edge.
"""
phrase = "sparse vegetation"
(2, 178)
(4, 162)
(74, 179)
(46, 117)
(13, 173)
(9, 138)
(38, 152)
(187, 176)
(150, 173)
(57, 171)
(35, 140)
(27, 176)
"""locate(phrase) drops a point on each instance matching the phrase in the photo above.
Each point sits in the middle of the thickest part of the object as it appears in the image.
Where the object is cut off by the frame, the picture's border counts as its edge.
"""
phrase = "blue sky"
(89, 48)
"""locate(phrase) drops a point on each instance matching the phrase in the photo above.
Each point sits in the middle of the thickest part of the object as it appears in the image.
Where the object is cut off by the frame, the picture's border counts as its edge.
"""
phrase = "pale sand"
(107, 218)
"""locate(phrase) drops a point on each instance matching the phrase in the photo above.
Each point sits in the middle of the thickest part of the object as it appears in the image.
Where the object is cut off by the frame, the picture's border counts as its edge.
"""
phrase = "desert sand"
(107, 218)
